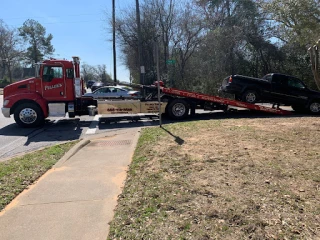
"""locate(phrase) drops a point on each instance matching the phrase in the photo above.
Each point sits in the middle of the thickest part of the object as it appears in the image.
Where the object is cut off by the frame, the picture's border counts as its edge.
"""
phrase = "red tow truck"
(57, 89)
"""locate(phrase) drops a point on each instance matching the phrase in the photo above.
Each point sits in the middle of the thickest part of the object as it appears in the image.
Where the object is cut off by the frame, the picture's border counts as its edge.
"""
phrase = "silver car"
(113, 92)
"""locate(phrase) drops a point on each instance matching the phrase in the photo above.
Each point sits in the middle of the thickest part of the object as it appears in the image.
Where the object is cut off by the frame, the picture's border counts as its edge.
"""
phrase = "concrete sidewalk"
(76, 198)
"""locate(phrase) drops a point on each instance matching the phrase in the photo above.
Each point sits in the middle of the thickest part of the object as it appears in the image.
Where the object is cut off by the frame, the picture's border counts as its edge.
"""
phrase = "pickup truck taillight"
(230, 79)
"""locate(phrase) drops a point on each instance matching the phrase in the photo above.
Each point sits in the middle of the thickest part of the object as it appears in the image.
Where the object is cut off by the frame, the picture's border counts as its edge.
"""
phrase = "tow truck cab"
(55, 90)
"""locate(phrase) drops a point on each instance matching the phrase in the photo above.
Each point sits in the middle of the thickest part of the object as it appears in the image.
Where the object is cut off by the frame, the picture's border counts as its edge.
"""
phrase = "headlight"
(5, 103)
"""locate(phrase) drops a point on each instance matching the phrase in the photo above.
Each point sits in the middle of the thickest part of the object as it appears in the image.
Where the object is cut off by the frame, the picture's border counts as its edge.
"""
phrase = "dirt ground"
(255, 178)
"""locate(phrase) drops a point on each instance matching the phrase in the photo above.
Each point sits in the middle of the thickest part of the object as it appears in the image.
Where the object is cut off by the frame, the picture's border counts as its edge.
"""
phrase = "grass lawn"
(224, 179)
(18, 173)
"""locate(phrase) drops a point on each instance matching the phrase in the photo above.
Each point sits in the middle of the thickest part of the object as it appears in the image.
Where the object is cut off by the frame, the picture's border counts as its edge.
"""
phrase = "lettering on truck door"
(53, 83)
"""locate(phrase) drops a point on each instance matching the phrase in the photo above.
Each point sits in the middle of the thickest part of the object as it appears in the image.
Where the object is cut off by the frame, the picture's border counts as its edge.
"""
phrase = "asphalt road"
(16, 140)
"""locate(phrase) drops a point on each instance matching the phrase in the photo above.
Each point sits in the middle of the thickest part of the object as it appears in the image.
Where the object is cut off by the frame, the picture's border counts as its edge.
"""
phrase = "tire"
(177, 109)
(250, 96)
(237, 97)
(28, 115)
(71, 114)
(314, 107)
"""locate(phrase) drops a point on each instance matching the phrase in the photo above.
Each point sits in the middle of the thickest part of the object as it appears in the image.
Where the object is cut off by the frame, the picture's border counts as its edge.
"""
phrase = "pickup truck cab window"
(280, 80)
(69, 73)
(296, 83)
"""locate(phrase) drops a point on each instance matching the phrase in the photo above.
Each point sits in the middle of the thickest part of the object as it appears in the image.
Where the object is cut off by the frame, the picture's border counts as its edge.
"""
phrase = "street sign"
(171, 61)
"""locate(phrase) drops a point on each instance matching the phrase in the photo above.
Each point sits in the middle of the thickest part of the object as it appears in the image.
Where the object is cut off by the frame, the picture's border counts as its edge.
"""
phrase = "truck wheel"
(177, 109)
(237, 97)
(250, 96)
(314, 107)
(28, 115)
(71, 114)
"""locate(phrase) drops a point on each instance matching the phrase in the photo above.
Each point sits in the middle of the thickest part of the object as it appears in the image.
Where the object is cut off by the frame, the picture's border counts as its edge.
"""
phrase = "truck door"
(288, 90)
(280, 89)
(298, 91)
(53, 83)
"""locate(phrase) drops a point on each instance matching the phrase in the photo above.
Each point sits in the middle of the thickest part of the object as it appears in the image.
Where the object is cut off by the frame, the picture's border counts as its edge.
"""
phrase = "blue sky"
(79, 28)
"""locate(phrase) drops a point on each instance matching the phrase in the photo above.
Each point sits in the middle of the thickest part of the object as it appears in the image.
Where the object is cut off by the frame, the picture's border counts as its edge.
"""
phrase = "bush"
(4, 82)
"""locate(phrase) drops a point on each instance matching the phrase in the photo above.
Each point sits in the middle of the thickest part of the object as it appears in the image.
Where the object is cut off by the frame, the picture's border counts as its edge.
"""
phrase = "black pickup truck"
(273, 88)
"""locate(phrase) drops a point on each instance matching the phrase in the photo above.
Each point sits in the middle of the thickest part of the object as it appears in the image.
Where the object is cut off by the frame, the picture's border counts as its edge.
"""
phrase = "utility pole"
(158, 78)
(114, 42)
(141, 68)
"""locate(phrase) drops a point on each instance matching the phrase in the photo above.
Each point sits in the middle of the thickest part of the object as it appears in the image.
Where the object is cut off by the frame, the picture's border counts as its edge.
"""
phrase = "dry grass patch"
(224, 179)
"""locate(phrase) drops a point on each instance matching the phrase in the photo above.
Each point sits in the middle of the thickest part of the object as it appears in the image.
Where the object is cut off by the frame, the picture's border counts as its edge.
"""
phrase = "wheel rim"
(179, 109)
(250, 97)
(315, 107)
(28, 115)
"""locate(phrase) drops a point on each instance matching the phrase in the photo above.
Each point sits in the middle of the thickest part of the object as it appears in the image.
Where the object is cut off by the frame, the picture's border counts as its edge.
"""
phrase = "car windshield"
(126, 88)
(268, 77)
(123, 90)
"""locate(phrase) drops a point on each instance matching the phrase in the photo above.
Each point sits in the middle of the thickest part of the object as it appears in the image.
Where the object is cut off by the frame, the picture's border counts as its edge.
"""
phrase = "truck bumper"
(230, 89)
(6, 112)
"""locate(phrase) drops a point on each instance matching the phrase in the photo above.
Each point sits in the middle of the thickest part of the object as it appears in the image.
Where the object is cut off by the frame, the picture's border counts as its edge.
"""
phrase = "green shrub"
(4, 82)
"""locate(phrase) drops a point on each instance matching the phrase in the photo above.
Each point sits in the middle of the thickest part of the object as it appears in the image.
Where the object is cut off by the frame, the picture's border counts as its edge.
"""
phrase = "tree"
(102, 75)
(10, 52)
(186, 39)
(39, 44)
(315, 60)
(98, 73)
(88, 72)
(294, 20)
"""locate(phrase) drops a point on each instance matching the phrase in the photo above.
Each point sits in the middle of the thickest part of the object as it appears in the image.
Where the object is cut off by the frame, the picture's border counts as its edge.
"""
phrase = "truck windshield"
(268, 77)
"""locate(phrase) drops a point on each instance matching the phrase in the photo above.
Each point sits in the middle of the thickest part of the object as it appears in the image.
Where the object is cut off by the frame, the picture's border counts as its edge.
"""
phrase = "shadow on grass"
(177, 139)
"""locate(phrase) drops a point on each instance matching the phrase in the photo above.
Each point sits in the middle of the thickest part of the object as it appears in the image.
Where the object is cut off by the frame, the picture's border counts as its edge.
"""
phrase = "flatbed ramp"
(225, 101)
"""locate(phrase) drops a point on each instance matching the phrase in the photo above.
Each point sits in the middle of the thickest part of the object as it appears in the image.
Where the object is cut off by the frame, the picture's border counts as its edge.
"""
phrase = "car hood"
(133, 92)
(88, 94)
(315, 93)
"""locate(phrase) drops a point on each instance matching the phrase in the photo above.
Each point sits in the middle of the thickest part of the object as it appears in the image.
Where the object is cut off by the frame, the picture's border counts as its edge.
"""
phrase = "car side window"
(114, 90)
(280, 80)
(100, 90)
(296, 83)
(106, 90)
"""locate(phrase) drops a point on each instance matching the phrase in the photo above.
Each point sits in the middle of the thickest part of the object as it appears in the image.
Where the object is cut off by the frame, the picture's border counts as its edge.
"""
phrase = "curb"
(71, 152)
(33, 151)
